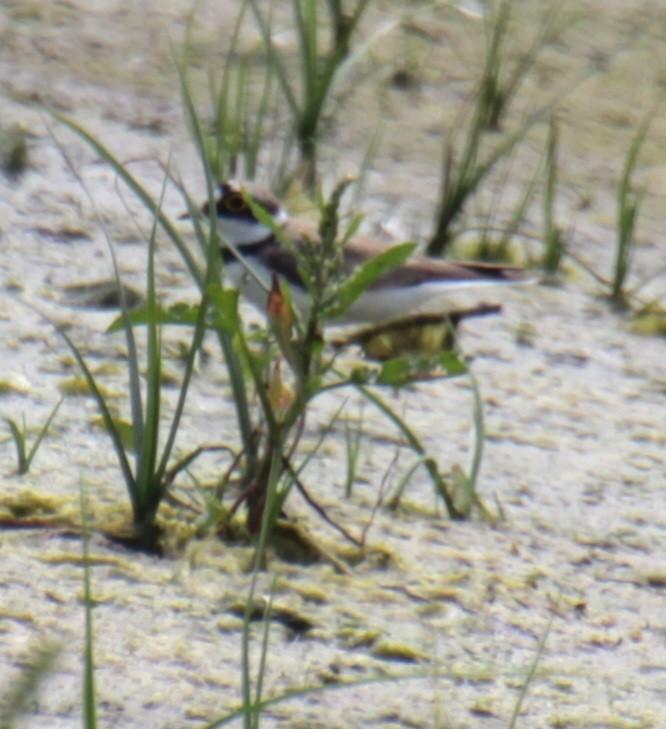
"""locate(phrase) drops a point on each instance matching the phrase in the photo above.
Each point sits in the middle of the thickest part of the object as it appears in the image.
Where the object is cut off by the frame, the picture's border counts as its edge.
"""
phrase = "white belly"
(372, 307)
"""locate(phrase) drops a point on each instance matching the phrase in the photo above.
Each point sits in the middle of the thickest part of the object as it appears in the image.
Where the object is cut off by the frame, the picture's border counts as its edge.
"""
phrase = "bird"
(418, 284)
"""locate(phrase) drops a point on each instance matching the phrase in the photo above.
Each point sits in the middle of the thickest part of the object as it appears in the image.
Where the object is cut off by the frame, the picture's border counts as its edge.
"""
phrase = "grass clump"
(142, 455)
(463, 173)
(321, 64)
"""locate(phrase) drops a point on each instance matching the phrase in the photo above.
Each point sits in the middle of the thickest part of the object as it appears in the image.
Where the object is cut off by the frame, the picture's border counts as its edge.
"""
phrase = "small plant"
(288, 364)
(628, 205)
(293, 365)
(19, 434)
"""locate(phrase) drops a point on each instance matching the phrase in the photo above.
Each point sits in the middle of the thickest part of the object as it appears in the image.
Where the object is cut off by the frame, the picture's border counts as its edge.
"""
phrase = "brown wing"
(417, 270)
(280, 260)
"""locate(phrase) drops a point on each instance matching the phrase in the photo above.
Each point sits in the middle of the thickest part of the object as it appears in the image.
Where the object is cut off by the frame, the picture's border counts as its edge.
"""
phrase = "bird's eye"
(235, 203)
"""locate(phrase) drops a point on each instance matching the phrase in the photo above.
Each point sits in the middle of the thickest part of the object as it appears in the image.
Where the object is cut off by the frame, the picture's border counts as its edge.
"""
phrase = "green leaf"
(352, 228)
(224, 305)
(124, 430)
(451, 363)
(224, 313)
(180, 313)
(396, 372)
(364, 276)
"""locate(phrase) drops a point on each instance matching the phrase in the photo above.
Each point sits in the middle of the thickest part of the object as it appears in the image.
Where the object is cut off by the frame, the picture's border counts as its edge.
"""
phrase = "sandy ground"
(575, 417)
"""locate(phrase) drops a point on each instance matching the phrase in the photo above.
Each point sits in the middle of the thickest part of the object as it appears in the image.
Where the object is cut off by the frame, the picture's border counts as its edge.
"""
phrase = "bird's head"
(235, 218)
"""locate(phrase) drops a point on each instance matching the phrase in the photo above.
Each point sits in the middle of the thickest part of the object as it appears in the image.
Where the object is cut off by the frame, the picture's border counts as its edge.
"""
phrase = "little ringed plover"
(417, 284)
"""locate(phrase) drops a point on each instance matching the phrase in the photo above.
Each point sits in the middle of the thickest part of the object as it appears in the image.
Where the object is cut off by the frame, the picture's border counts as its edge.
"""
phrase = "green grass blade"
(18, 437)
(261, 670)
(195, 346)
(478, 433)
(132, 355)
(306, 31)
(416, 445)
(394, 501)
(149, 482)
(513, 722)
(628, 204)
(213, 257)
(137, 190)
(274, 59)
(552, 235)
(42, 433)
(109, 422)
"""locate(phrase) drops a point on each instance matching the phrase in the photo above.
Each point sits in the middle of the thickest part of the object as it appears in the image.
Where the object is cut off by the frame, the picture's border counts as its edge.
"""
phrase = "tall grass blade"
(137, 190)
(89, 693)
(478, 433)
(107, 417)
(18, 435)
(275, 60)
(213, 257)
(148, 479)
(552, 234)
(628, 205)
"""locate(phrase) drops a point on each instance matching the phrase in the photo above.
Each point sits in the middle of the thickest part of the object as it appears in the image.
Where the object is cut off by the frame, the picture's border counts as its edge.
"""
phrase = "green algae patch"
(292, 618)
(78, 387)
(389, 650)
(358, 637)
(14, 383)
(75, 558)
(650, 322)
(29, 508)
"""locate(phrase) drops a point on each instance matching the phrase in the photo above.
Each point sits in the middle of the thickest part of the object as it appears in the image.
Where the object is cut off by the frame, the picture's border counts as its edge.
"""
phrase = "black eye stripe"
(231, 202)
(234, 203)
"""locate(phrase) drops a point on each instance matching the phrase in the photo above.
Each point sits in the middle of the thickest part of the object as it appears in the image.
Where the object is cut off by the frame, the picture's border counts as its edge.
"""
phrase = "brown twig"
(318, 508)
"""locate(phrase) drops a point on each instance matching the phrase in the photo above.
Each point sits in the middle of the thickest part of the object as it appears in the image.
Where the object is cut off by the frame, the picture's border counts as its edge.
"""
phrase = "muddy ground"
(574, 400)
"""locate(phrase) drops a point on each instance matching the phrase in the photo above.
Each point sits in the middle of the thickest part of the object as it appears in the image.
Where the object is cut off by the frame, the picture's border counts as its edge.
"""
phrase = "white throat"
(246, 232)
